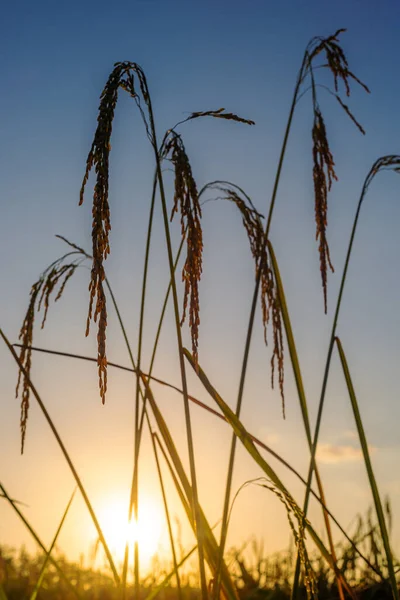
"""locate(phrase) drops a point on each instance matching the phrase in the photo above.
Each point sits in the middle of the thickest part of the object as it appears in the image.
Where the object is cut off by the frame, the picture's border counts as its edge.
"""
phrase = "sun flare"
(117, 530)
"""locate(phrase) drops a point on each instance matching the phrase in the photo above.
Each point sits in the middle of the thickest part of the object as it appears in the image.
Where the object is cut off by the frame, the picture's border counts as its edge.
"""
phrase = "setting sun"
(117, 531)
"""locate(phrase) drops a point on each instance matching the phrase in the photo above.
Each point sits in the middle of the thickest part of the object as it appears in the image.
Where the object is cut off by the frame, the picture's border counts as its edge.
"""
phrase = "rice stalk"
(209, 541)
(269, 307)
(389, 162)
(134, 499)
(139, 425)
(168, 460)
(303, 406)
(293, 513)
(196, 505)
(220, 114)
(167, 515)
(210, 545)
(256, 440)
(99, 157)
(337, 64)
(124, 75)
(244, 436)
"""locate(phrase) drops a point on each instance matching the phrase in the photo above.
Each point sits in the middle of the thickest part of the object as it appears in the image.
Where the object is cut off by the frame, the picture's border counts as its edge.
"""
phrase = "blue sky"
(198, 56)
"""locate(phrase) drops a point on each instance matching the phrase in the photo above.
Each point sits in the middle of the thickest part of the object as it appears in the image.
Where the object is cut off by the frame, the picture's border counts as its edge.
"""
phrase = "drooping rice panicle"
(270, 307)
(220, 114)
(57, 274)
(293, 512)
(186, 198)
(390, 162)
(323, 162)
(336, 59)
(122, 76)
(323, 175)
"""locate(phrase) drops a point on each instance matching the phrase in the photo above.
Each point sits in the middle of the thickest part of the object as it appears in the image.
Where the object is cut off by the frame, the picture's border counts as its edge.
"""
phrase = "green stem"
(294, 359)
(228, 487)
(171, 535)
(133, 503)
(136, 370)
(325, 381)
(181, 359)
(155, 346)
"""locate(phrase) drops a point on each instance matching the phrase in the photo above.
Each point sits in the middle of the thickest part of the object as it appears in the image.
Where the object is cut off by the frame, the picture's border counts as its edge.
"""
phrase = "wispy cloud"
(350, 434)
(269, 437)
(338, 453)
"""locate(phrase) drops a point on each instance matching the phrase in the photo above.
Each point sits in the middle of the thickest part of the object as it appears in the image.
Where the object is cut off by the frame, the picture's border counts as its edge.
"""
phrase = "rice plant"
(329, 567)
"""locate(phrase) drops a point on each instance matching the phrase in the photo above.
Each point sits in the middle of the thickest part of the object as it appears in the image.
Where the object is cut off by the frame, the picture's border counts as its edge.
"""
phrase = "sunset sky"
(197, 56)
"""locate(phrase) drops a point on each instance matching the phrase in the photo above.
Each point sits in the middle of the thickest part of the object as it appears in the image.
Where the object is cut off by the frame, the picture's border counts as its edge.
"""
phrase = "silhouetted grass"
(365, 559)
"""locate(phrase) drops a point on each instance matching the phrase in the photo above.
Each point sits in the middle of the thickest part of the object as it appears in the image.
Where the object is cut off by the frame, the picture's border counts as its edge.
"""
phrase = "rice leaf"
(368, 466)
(303, 405)
(248, 443)
(210, 544)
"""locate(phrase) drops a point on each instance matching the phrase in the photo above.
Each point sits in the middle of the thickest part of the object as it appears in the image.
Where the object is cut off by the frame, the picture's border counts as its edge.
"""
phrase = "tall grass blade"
(250, 327)
(257, 441)
(368, 466)
(39, 541)
(189, 434)
(303, 407)
(134, 504)
(48, 553)
(67, 458)
(243, 435)
(384, 163)
(164, 497)
(210, 544)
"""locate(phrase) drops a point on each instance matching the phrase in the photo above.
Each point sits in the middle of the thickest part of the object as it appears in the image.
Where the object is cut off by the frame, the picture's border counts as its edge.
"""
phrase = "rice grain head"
(323, 175)
(57, 274)
(220, 114)
(323, 163)
(186, 199)
(270, 306)
(122, 76)
(390, 162)
(336, 60)
(294, 513)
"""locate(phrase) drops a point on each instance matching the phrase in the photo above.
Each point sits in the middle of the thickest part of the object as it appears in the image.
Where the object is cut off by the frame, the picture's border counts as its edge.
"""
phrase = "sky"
(55, 59)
